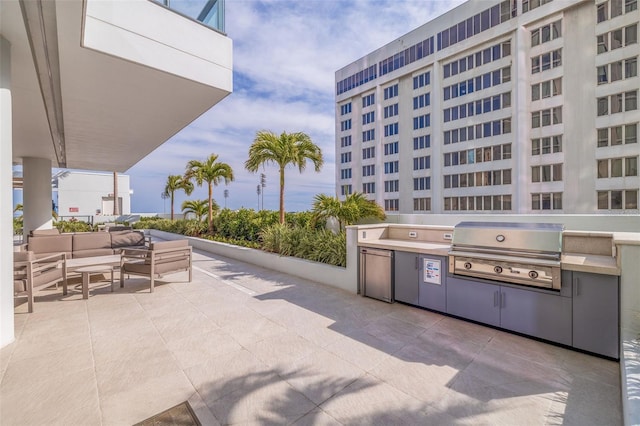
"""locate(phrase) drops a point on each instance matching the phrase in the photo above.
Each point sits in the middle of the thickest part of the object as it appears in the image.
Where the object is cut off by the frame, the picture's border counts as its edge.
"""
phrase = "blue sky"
(285, 54)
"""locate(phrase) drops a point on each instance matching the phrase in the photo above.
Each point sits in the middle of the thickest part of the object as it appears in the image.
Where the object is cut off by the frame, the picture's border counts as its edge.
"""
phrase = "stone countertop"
(422, 247)
(578, 262)
(590, 263)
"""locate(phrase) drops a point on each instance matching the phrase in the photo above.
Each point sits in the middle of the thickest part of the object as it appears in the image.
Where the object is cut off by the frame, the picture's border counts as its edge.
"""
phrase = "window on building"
(603, 169)
(601, 12)
(616, 135)
(603, 106)
(422, 204)
(616, 103)
(616, 200)
(535, 37)
(616, 71)
(631, 67)
(603, 200)
(631, 100)
(601, 72)
(631, 166)
(603, 138)
(602, 43)
(616, 39)
(631, 133)
(616, 167)
(630, 5)
(535, 65)
(631, 35)
(631, 199)
(391, 205)
(616, 8)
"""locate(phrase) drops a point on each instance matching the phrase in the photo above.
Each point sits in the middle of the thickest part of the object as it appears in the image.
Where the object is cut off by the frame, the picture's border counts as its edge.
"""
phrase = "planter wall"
(335, 276)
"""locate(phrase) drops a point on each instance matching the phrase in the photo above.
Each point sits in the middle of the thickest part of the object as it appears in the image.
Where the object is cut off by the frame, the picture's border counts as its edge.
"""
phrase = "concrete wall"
(343, 278)
(142, 32)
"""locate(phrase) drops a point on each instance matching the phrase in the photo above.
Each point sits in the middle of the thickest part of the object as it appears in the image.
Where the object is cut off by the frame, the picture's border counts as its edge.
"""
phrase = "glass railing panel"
(208, 12)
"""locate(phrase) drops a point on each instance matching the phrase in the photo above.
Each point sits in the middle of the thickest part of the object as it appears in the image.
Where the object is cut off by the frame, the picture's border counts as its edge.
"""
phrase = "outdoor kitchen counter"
(580, 262)
(592, 263)
(423, 247)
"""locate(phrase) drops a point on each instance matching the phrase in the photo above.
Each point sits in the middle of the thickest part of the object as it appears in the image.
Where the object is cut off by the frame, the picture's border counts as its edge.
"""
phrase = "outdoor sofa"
(85, 244)
(42, 261)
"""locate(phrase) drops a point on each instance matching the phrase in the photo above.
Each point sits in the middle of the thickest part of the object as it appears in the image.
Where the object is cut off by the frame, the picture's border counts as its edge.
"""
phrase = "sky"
(285, 55)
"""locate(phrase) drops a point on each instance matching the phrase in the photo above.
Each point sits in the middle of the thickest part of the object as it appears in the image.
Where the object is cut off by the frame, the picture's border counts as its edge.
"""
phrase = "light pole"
(263, 183)
(226, 195)
(164, 197)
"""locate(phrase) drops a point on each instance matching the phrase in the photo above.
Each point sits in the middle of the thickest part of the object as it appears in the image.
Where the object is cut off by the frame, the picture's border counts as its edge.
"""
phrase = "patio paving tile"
(197, 349)
(251, 346)
(72, 401)
(321, 375)
(371, 401)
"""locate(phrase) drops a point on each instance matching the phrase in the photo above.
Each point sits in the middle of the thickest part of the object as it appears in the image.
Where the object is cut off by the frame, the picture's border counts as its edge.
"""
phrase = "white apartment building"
(516, 106)
(82, 194)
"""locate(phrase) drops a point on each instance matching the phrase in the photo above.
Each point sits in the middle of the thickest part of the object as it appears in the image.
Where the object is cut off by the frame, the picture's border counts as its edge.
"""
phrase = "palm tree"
(353, 209)
(288, 148)
(174, 183)
(211, 171)
(198, 207)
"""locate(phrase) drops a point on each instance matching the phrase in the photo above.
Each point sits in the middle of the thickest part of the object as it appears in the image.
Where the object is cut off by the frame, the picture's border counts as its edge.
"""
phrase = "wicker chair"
(162, 258)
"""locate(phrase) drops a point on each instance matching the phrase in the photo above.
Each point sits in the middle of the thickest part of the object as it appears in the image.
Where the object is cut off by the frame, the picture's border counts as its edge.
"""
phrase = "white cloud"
(286, 53)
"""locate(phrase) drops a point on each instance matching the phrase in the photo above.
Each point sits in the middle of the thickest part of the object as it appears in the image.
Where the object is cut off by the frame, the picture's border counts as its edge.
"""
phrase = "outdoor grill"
(520, 253)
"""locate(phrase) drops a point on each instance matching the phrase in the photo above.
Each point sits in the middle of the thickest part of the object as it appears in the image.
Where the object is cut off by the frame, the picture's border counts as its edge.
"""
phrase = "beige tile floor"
(246, 345)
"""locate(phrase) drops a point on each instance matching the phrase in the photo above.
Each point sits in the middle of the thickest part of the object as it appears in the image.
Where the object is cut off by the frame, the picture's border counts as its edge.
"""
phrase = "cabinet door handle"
(416, 262)
(576, 287)
(495, 298)
(503, 299)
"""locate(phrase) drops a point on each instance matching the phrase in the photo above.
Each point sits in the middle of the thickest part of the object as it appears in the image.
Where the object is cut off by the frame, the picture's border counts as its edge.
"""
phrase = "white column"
(6, 197)
(37, 194)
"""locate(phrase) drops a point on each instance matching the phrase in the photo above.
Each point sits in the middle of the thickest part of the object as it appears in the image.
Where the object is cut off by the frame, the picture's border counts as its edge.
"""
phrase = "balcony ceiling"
(114, 111)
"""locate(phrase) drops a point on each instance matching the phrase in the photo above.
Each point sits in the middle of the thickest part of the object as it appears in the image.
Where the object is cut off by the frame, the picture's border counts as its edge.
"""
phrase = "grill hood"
(508, 237)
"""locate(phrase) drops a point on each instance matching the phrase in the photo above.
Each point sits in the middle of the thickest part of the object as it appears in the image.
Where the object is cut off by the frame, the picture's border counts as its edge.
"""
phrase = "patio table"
(91, 265)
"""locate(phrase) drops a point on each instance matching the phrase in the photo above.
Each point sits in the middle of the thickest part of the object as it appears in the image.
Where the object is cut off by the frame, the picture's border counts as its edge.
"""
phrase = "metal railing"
(207, 12)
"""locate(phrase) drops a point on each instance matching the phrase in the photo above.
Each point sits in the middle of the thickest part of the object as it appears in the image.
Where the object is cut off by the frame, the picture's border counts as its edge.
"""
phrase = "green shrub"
(73, 226)
(299, 237)
(316, 245)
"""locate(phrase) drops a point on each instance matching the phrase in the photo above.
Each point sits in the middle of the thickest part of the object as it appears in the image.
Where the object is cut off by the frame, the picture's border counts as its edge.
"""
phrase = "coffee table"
(91, 265)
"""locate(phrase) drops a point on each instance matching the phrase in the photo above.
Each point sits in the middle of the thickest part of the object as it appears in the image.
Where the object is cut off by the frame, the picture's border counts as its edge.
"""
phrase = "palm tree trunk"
(282, 195)
(210, 208)
(171, 205)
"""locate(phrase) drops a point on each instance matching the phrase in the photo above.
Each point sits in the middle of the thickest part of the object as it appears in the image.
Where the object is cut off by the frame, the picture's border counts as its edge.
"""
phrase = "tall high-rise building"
(516, 106)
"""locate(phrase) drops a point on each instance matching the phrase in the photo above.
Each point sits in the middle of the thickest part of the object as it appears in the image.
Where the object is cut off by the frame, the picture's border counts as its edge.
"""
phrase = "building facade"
(516, 106)
(82, 194)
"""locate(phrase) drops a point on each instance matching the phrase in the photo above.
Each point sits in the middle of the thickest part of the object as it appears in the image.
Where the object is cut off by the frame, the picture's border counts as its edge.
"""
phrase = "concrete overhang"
(129, 75)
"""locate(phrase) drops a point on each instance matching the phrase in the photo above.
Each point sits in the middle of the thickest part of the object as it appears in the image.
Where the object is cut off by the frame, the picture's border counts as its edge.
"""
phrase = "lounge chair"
(162, 258)
(31, 274)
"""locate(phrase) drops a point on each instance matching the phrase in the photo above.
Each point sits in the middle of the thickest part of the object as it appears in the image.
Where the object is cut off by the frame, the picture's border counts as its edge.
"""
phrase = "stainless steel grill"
(521, 253)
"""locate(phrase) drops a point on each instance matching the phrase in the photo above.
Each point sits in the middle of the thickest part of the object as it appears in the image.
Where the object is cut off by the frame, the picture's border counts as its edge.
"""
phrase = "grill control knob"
(497, 269)
(467, 265)
(533, 275)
